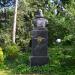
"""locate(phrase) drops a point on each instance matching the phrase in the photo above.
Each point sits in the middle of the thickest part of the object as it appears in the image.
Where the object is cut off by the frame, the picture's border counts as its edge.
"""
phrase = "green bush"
(1, 56)
(69, 40)
(23, 69)
(23, 58)
(12, 51)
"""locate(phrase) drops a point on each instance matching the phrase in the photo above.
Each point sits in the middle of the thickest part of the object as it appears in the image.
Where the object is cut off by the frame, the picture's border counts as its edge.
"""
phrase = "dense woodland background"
(60, 26)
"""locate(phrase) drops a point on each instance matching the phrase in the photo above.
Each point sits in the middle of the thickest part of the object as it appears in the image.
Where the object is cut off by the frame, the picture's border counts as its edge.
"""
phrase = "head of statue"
(39, 13)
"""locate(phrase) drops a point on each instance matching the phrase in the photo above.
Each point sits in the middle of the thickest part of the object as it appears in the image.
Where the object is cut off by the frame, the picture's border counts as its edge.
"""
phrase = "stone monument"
(39, 54)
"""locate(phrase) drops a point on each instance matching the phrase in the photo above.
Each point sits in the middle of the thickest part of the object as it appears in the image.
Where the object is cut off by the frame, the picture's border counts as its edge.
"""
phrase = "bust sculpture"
(39, 54)
(39, 20)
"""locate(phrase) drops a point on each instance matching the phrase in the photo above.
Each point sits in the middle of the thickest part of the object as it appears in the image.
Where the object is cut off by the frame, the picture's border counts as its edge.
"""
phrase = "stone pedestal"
(39, 54)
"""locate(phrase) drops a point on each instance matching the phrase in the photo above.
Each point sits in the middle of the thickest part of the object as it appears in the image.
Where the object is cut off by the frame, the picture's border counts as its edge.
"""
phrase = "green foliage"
(60, 25)
(23, 69)
(61, 56)
(66, 1)
(61, 62)
(68, 61)
(56, 28)
(5, 38)
(69, 40)
(57, 62)
(23, 58)
(1, 56)
(6, 28)
(12, 51)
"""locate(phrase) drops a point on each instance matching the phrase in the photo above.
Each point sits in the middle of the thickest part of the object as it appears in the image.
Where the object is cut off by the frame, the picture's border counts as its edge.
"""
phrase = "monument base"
(38, 60)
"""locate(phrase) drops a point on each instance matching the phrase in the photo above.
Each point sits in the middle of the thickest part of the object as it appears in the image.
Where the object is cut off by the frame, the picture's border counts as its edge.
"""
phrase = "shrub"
(1, 56)
(12, 51)
(23, 69)
(69, 40)
(23, 58)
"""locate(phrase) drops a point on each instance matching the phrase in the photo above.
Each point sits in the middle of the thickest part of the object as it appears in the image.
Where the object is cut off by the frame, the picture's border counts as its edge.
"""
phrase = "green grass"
(5, 72)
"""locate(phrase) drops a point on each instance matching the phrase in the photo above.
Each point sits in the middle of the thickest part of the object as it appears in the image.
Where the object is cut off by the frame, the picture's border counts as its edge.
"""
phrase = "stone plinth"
(39, 54)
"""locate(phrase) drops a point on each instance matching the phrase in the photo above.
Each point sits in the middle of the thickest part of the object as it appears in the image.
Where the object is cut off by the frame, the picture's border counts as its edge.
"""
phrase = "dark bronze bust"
(39, 55)
(39, 20)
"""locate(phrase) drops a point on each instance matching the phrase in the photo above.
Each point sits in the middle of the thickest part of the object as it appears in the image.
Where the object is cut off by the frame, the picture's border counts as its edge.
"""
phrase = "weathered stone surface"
(39, 47)
(38, 60)
(39, 42)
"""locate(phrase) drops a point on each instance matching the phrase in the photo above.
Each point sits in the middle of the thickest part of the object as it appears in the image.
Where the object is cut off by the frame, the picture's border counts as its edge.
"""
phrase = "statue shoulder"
(46, 21)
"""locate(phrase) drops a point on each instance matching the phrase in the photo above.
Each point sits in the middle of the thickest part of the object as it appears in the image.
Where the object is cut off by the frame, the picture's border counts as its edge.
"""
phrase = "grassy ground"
(5, 72)
(8, 72)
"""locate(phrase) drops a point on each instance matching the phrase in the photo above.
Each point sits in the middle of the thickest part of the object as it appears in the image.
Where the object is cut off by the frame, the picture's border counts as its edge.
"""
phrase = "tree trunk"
(15, 20)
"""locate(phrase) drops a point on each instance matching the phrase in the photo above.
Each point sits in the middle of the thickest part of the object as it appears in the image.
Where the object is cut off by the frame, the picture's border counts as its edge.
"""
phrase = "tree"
(15, 20)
